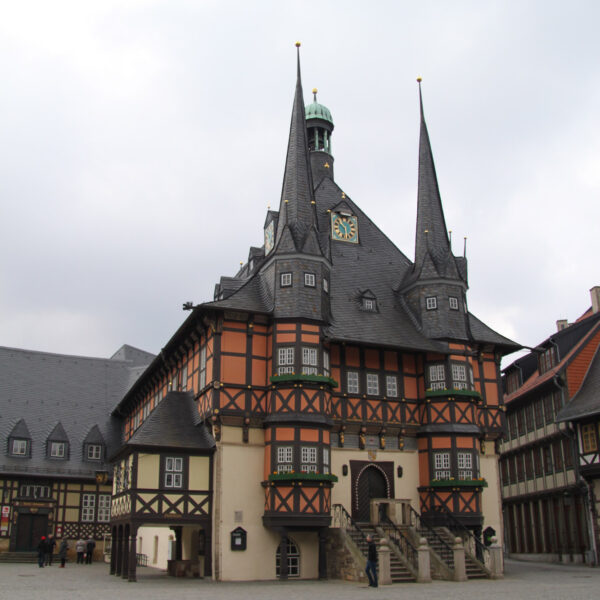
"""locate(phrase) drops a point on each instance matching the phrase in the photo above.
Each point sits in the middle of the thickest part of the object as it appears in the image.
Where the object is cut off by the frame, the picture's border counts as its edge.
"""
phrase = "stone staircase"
(399, 573)
(18, 557)
(474, 569)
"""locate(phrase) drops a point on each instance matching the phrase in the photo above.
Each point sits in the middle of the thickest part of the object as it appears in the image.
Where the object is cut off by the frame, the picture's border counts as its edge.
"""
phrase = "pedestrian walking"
(42, 548)
(89, 548)
(51, 544)
(371, 569)
(62, 553)
(80, 549)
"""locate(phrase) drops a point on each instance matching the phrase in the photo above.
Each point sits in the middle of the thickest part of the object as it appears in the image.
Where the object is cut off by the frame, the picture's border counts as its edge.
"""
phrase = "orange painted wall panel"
(233, 369)
(408, 364)
(285, 434)
(352, 356)
(371, 359)
(334, 352)
(489, 369)
(326, 437)
(259, 345)
(440, 442)
(410, 388)
(424, 468)
(259, 372)
(309, 339)
(309, 435)
(232, 341)
(391, 361)
(285, 338)
(286, 327)
(235, 325)
(267, 435)
(465, 442)
(491, 393)
(310, 328)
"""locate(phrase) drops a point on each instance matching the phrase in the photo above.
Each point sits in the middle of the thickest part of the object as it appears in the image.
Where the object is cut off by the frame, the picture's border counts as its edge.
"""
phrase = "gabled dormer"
(368, 301)
(57, 443)
(19, 441)
(94, 446)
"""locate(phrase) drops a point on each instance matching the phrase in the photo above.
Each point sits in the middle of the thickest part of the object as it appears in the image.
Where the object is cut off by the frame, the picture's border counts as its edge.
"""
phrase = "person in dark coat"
(51, 543)
(42, 548)
(89, 551)
(371, 569)
(80, 549)
(62, 552)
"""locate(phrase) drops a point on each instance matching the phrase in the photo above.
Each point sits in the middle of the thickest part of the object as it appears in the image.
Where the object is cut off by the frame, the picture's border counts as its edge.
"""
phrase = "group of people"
(85, 551)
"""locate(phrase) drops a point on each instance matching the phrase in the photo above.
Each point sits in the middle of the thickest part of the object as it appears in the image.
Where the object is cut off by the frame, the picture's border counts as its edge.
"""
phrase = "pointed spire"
(297, 208)
(432, 235)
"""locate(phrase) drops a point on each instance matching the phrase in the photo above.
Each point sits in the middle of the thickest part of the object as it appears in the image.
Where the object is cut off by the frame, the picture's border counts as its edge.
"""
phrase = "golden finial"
(298, 44)
(312, 202)
(343, 194)
(326, 165)
(286, 201)
(268, 207)
(419, 79)
(426, 231)
(314, 90)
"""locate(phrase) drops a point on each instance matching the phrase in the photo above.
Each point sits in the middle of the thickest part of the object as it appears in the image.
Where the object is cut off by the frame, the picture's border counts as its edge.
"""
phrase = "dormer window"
(453, 302)
(19, 447)
(58, 449)
(548, 360)
(369, 304)
(93, 451)
(431, 303)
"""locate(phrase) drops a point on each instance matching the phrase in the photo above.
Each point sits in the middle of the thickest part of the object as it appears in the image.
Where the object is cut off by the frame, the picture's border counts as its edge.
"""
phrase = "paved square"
(530, 581)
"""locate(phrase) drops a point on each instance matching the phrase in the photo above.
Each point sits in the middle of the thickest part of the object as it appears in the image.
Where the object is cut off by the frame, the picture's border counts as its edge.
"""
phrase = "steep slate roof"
(586, 402)
(174, 423)
(44, 389)
(569, 342)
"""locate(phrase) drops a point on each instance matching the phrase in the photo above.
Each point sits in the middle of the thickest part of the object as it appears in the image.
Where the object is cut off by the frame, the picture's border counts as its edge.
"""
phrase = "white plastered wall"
(491, 502)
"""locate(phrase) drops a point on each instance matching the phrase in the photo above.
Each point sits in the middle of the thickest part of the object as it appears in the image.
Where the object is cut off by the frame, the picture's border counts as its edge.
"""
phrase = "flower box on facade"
(445, 483)
(452, 392)
(299, 378)
(303, 477)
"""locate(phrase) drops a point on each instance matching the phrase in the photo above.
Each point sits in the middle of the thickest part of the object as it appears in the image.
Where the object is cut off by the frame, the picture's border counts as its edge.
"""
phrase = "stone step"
(19, 557)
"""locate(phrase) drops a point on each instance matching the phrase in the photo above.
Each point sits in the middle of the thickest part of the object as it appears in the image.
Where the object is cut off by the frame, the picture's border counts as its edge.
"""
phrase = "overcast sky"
(142, 142)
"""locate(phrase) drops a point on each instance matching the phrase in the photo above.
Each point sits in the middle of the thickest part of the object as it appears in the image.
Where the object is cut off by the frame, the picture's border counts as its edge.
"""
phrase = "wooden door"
(370, 484)
(30, 529)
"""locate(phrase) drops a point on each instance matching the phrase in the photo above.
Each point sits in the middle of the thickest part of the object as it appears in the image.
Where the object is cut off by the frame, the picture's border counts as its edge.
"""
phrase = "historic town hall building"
(331, 370)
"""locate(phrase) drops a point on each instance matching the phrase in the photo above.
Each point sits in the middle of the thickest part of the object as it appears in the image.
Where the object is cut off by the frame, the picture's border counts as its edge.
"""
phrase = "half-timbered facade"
(330, 369)
(547, 502)
(57, 435)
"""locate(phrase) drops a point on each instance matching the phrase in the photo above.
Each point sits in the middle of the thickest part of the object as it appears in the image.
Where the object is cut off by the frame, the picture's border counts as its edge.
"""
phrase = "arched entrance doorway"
(371, 483)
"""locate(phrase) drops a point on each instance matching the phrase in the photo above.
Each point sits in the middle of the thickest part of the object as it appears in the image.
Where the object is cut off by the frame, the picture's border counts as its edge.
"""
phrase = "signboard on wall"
(4, 520)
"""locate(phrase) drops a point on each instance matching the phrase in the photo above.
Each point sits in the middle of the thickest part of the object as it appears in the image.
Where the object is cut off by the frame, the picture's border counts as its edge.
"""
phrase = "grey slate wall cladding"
(299, 301)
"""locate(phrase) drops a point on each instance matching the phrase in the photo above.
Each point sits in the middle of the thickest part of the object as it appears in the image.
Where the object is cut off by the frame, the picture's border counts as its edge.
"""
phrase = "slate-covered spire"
(297, 209)
(431, 242)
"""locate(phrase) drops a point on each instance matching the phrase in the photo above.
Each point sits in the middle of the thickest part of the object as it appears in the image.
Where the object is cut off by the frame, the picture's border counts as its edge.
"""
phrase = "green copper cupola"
(319, 125)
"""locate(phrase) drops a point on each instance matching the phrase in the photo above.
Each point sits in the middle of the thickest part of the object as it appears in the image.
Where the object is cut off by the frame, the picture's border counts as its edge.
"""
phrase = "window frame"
(287, 365)
(92, 448)
(286, 279)
(310, 360)
(586, 430)
(87, 512)
(57, 450)
(25, 445)
(372, 384)
(437, 383)
(391, 390)
(354, 386)
(169, 471)
(431, 302)
(310, 280)
(453, 302)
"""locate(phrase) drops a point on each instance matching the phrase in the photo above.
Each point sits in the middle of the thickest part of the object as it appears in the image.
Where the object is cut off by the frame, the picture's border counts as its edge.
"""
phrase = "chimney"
(561, 324)
(595, 294)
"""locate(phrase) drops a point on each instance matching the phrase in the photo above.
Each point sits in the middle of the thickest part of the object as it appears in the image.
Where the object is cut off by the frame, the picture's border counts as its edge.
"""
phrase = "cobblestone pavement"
(530, 581)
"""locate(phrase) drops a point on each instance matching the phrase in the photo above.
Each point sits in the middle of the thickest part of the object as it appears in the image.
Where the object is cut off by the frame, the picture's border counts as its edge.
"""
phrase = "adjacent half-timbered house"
(57, 435)
(331, 370)
(547, 465)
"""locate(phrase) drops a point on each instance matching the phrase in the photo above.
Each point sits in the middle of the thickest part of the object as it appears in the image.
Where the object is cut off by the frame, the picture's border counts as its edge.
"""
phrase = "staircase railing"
(397, 537)
(474, 546)
(443, 549)
(343, 519)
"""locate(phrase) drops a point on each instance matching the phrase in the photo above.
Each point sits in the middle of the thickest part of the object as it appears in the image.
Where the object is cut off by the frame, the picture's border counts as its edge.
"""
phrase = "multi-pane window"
(285, 457)
(309, 360)
(465, 465)
(285, 360)
(557, 452)
(431, 303)
(88, 507)
(353, 382)
(34, 491)
(537, 463)
(453, 302)
(309, 279)
(369, 304)
(548, 359)
(437, 377)
(57, 449)
(19, 448)
(391, 386)
(528, 465)
(567, 453)
(293, 560)
(203, 367)
(174, 472)
(521, 421)
(104, 508)
(94, 451)
(441, 465)
(308, 459)
(529, 417)
(146, 411)
(549, 408)
(588, 438)
(538, 409)
(136, 419)
(459, 377)
(326, 367)
(326, 461)
(326, 285)
(372, 384)
(520, 467)
(512, 425)
(286, 279)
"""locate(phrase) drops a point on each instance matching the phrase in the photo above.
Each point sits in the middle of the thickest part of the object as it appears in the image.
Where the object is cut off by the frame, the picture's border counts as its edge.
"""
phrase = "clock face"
(344, 228)
(269, 238)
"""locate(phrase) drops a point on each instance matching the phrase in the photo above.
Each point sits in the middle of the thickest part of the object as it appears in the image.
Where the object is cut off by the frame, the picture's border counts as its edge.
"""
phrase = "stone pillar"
(460, 567)
(385, 569)
(496, 562)
(424, 575)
